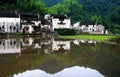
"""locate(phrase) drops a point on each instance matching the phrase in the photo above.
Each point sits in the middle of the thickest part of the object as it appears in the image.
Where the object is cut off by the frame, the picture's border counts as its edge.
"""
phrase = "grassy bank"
(90, 37)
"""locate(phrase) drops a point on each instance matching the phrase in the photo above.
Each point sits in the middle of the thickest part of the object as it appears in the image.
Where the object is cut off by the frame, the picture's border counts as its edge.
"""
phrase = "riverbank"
(86, 37)
(18, 35)
(90, 37)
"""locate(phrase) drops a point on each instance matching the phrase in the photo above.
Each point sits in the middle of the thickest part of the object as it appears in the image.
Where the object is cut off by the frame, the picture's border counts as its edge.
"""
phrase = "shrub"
(66, 31)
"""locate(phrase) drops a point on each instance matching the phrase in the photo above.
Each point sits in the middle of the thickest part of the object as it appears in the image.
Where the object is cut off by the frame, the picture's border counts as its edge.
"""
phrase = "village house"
(57, 21)
(13, 21)
(29, 22)
(90, 27)
(9, 22)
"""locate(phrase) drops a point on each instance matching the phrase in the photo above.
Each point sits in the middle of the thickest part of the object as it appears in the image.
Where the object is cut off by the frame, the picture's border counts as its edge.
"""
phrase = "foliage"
(115, 16)
(31, 6)
(70, 7)
(65, 31)
(96, 18)
(50, 3)
(7, 5)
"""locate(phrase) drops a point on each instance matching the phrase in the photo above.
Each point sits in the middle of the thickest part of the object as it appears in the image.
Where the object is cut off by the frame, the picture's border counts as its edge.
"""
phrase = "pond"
(53, 57)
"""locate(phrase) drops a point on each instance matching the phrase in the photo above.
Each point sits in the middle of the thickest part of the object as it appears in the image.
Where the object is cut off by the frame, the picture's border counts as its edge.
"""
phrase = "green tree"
(70, 7)
(31, 6)
(96, 18)
(115, 16)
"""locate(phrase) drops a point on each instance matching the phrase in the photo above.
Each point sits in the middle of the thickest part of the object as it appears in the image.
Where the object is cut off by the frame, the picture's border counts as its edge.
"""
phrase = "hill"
(50, 3)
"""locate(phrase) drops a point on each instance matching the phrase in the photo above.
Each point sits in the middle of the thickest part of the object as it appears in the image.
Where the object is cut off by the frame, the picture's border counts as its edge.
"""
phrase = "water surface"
(58, 57)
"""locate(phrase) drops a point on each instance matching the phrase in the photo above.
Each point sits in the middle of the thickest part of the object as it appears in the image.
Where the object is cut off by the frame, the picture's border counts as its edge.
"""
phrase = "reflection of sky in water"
(75, 71)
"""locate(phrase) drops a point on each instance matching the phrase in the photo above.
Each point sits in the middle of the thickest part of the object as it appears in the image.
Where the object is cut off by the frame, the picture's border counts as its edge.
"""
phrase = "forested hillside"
(7, 4)
(106, 12)
(50, 3)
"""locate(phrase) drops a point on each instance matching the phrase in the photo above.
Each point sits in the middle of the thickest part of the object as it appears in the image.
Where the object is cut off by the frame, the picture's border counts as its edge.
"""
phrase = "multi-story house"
(9, 22)
(57, 21)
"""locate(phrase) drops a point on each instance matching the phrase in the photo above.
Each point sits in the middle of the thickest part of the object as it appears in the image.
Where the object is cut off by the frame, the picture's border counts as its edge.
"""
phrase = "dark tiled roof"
(59, 16)
(87, 23)
(28, 22)
(29, 16)
(9, 14)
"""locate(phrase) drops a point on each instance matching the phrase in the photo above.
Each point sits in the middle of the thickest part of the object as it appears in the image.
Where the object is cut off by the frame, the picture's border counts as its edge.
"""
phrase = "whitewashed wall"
(55, 24)
(10, 25)
(30, 26)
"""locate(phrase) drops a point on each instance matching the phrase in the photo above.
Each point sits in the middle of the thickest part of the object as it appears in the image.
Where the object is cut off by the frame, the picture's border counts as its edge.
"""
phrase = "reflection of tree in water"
(101, 57)
(118, 40)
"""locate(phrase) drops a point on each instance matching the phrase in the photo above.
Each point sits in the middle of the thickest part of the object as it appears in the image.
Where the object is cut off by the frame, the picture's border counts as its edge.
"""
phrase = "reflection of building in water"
(57, 45)
(86, 42)
(46, 42)
(9, 46)
(33, 45)
(29, 42)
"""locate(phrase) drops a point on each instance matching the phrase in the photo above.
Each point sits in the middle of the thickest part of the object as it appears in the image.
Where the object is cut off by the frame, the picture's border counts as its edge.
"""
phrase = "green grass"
(90, 37)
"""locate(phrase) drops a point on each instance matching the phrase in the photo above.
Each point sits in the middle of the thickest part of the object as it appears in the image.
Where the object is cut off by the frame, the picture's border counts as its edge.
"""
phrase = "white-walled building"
(90, 27)
(57, 21)
(29, 22)
(9, 22)
(14, 21)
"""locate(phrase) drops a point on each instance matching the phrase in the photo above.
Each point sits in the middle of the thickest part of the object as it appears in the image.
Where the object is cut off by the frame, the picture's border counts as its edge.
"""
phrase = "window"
(14, 42)
(3, 27)
(14, 28)
(0, 42)
(10, 27)
(10, 42)
(3, 43)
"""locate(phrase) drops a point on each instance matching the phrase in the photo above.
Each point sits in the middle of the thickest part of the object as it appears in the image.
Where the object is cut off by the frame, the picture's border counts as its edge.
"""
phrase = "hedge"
(66, 31)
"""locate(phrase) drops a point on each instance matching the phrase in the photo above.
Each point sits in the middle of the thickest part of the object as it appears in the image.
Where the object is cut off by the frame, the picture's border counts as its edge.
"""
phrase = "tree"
(115, 16)
(31, 6)
(96, 18)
